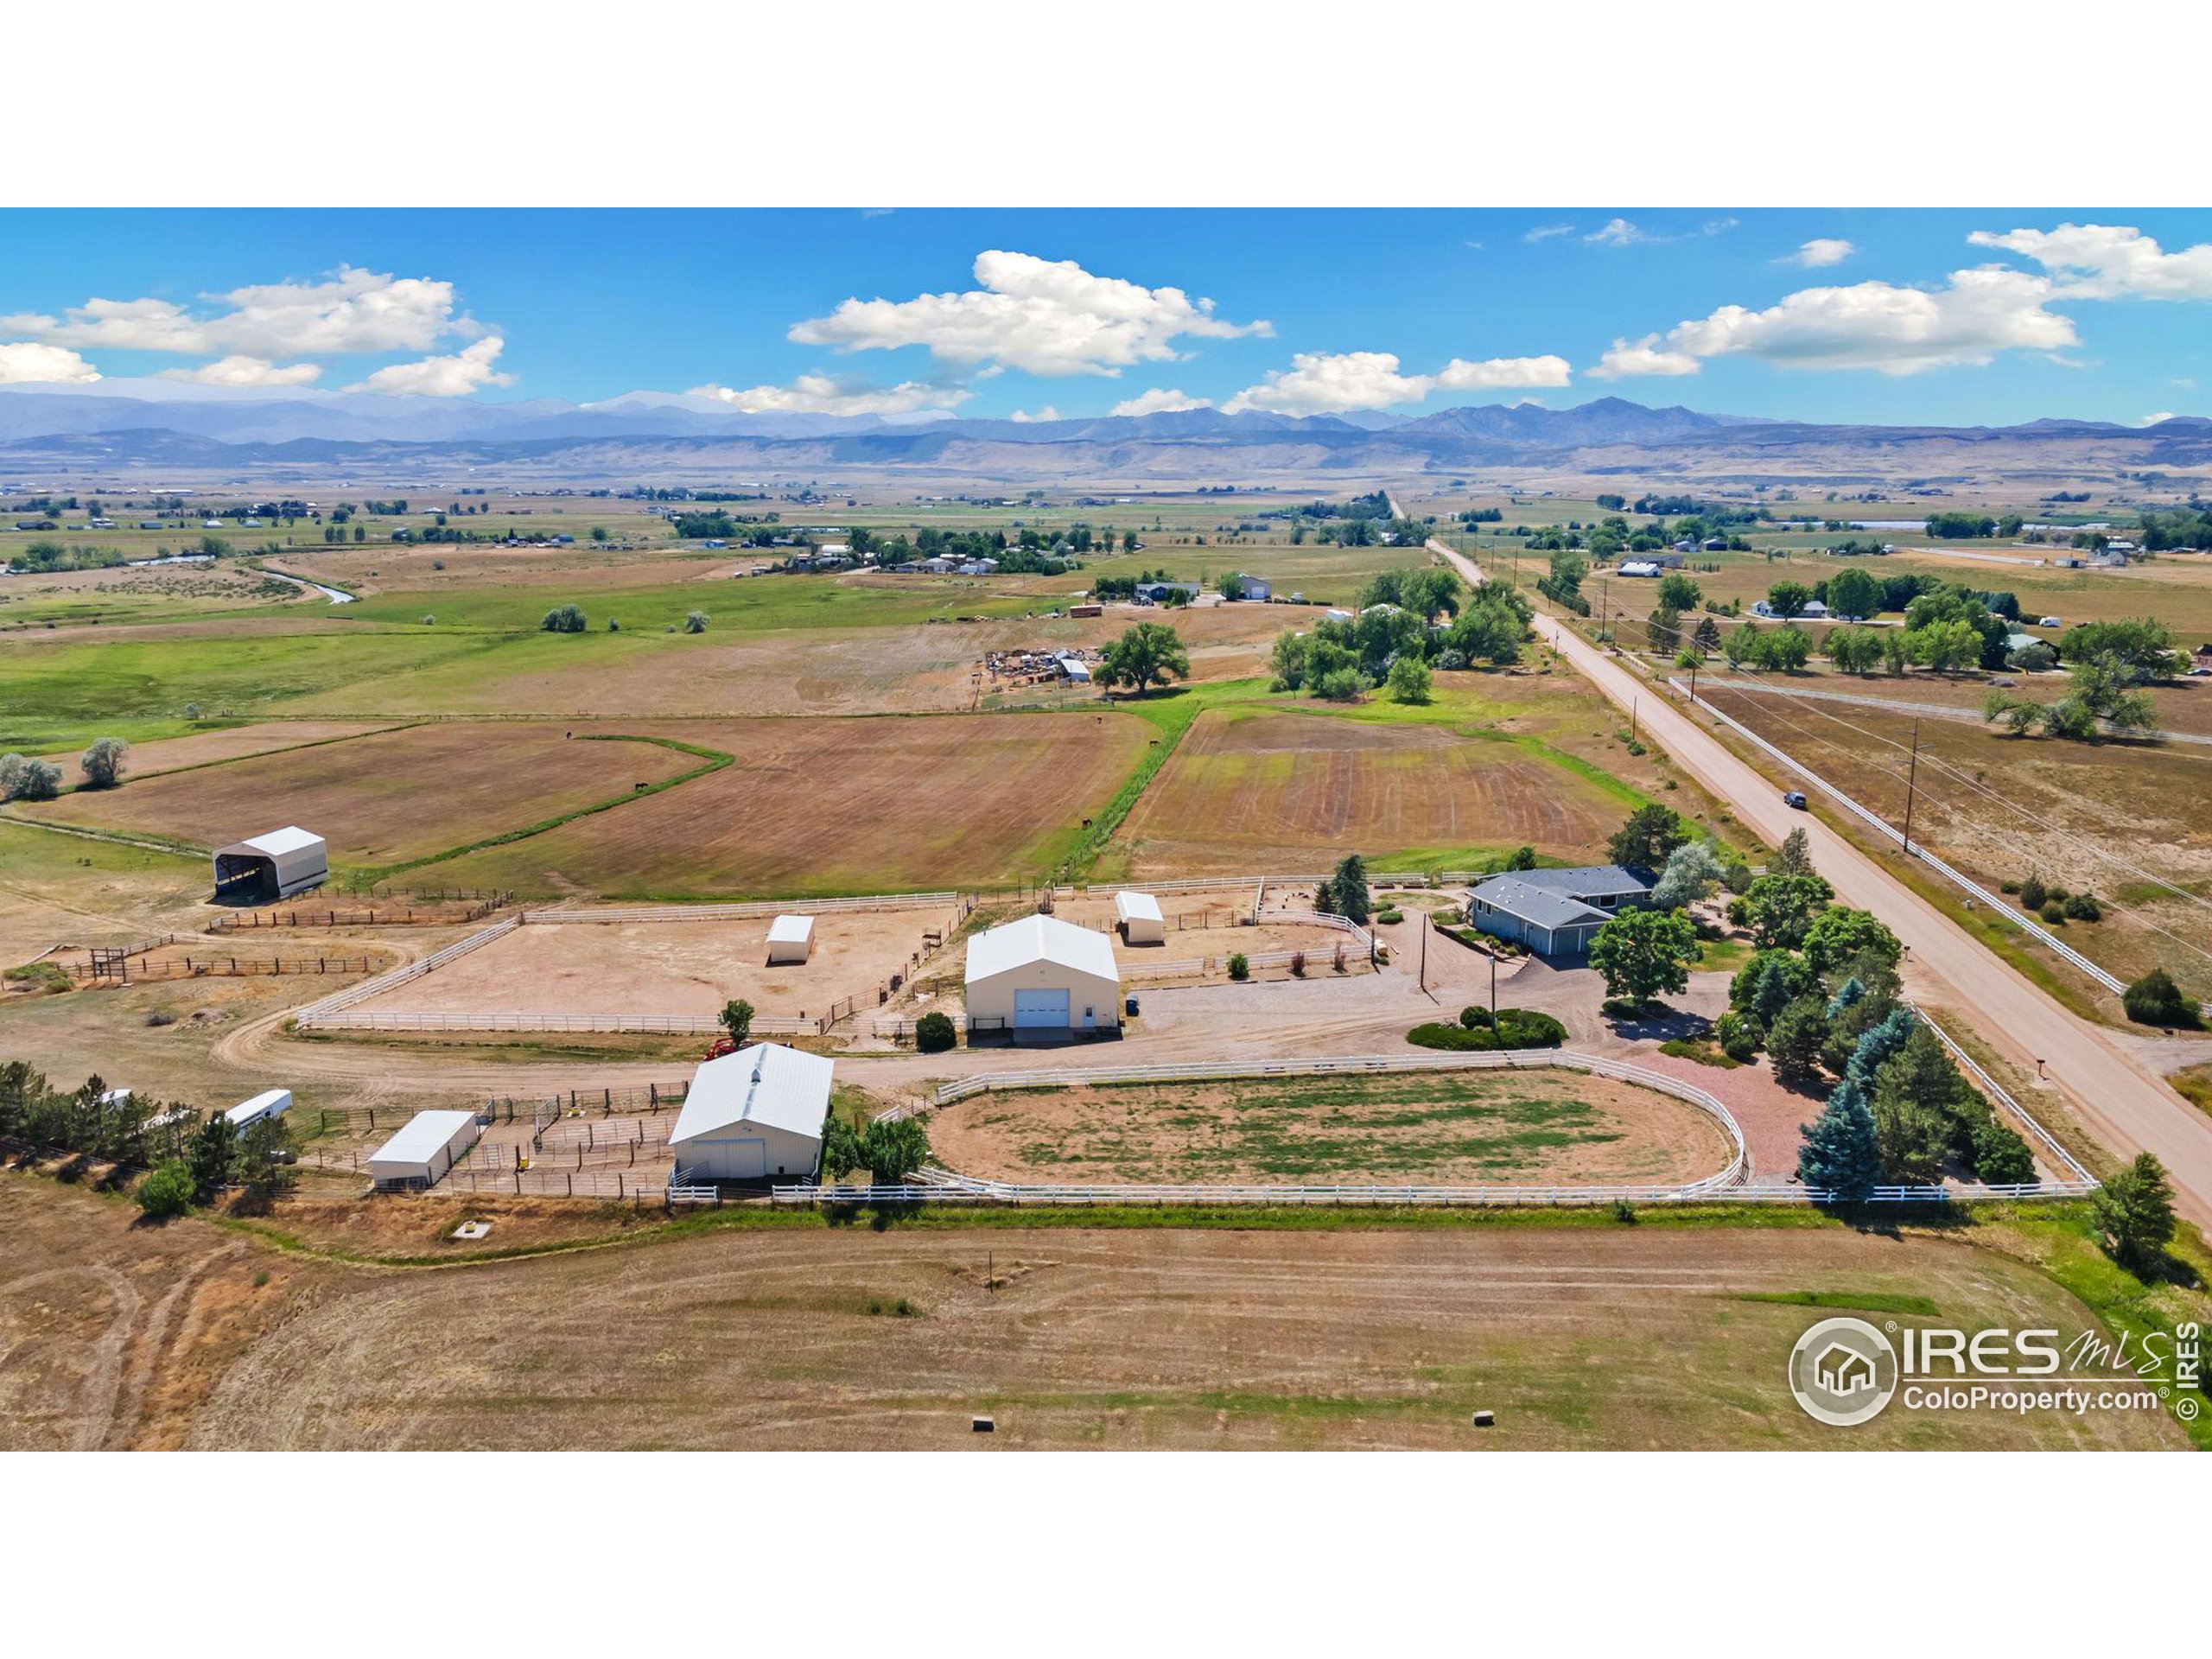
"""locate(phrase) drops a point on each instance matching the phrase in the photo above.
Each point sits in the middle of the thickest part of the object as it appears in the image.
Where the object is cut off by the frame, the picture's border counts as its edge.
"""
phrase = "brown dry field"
(264, 737)
(2091, 806)
(383, 798)
(673, 968)
(122, 1335)
(1543, 1127)
(1289, 792)
(828, 807)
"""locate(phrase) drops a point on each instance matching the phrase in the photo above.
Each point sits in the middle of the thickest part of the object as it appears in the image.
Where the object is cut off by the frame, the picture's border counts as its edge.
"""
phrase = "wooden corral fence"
(402, 915)
(200, 967)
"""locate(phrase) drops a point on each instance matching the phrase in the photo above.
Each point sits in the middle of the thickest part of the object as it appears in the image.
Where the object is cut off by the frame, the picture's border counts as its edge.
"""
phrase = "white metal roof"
(422, 1137)
(1041, 938)
(267, 1101)
(1137, 907)
(790, 930)
(767, 1084)
(277, 842)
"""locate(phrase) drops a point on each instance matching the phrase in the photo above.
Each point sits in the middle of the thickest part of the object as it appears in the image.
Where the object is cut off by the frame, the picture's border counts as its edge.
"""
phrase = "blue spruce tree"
(1848, 994)
(1839, 1154)
(1877, 1046)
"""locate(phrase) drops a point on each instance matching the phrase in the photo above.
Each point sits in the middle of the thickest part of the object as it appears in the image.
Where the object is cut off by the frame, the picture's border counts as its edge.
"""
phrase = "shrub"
(2032, 896)
(37, 976)
(2000, 1157)
(168, 1191)
(1387, 917)
(1621, 1008)
(1516, 1028)
(563, 619)
(696, 622)
(1240, 967)
(1476, 1018)
(1739, 1035)
(2052, 910)
(2155, 999)
(933, 1034)
(2084, 908)
(1298, 965)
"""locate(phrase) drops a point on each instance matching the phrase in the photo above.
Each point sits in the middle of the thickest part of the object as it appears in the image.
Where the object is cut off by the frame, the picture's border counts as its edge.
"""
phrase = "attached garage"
(1142, 922)
(1043, 979)
(791, 938)
(754, 1116)
(263, 868)
(424, 1149)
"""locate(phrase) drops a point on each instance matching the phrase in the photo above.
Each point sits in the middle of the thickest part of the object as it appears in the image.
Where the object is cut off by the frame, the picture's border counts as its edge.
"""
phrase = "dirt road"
(2130, 1109)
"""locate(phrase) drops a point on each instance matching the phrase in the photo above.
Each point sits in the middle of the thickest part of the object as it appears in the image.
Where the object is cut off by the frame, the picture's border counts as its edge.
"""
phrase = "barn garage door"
(1040, 1008)
(739, 1160)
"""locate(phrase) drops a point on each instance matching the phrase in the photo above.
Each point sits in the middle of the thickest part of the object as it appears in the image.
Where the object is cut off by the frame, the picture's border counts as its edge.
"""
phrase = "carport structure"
(262, 869)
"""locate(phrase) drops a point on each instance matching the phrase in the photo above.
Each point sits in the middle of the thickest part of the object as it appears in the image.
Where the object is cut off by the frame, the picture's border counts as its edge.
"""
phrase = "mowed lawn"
(1288, 791)
(837, 806)
(384, 798)
(1550, 1127)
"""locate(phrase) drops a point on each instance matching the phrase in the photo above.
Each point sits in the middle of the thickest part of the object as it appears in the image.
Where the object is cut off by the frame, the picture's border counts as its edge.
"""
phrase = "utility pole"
(1492, 955)
(1633, 703)
(1911, 781)
(1424, 953)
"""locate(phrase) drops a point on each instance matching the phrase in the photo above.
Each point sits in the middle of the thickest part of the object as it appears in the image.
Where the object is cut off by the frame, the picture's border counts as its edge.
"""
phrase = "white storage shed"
(1043, 977)
(424, 1149)
(753, 1114)
(791, 938)
(1142, 922)
(263, 868)
(269, 1102)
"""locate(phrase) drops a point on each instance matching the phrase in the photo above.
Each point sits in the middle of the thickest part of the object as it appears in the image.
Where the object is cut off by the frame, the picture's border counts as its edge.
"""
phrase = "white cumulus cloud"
(819, 394)
(1975, 315)
(1618, 233)
(1321, 383)
(239, 370)
(1627, 359)
(26, 363)
(471, 369)
(2152, 420)
(1160, 400)
(1048, 317)
(1820, 250)
(353, 311)
(2109, 262)
(1048, 413)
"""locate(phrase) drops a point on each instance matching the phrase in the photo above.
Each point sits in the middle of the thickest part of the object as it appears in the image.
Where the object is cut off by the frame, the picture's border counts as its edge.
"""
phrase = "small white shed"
(263, 868)
(424, 1149)
(791, 938)
(753, 1114)
(1043, 977)
(269, 1102)
(1142, 922)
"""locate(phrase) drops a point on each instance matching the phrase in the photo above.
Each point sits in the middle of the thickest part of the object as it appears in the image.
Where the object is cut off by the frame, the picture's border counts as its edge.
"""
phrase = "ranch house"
(752, 1115)
(1554, 913)
(1043, 979)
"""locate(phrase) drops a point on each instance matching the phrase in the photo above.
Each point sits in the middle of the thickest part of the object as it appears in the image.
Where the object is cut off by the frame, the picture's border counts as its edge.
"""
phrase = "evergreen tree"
(1849, 995)
(1878, 1044)
(2135, 1212)
(213, 1155)
(2000, 1157)
(1839, 1154)
(1348, 889)
(1796, 1037)
(1796, 857)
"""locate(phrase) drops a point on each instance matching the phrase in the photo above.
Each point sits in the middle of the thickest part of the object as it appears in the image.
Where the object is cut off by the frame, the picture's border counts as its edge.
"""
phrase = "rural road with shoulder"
(2129, 1108)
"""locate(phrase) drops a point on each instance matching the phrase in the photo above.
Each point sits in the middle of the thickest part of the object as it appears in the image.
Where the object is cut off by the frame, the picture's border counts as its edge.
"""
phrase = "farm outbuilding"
(791, 938)
(424, 1149)
(1042, 978)
(263, 868)
(1139, 915)
(269, 1102)
(753, 1114)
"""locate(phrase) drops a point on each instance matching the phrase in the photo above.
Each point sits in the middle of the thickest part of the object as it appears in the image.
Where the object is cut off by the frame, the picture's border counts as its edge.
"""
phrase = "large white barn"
(1044, 977)
(263, 868)
(756, 1114)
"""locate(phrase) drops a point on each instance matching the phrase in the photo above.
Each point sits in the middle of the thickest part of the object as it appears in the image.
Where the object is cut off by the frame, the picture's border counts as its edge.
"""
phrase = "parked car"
(1794, 798)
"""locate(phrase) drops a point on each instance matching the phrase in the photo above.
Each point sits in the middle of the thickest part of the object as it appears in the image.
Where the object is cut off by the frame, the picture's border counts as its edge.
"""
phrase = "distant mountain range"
(163, 423)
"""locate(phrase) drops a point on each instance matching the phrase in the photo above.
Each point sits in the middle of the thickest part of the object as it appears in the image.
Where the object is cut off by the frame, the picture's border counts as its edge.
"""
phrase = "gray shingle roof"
(1539, 907)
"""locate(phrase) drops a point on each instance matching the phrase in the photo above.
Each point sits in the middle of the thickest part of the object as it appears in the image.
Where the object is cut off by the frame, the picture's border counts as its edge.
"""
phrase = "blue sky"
(1986, 316)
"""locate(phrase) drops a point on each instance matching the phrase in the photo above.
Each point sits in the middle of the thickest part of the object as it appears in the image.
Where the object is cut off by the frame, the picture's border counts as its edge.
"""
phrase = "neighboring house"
(1554, 913)
(753, 1114)
(1639, 567)
(1041, 978)
(1814, 608)
(1155, 592)
(1253, 587)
